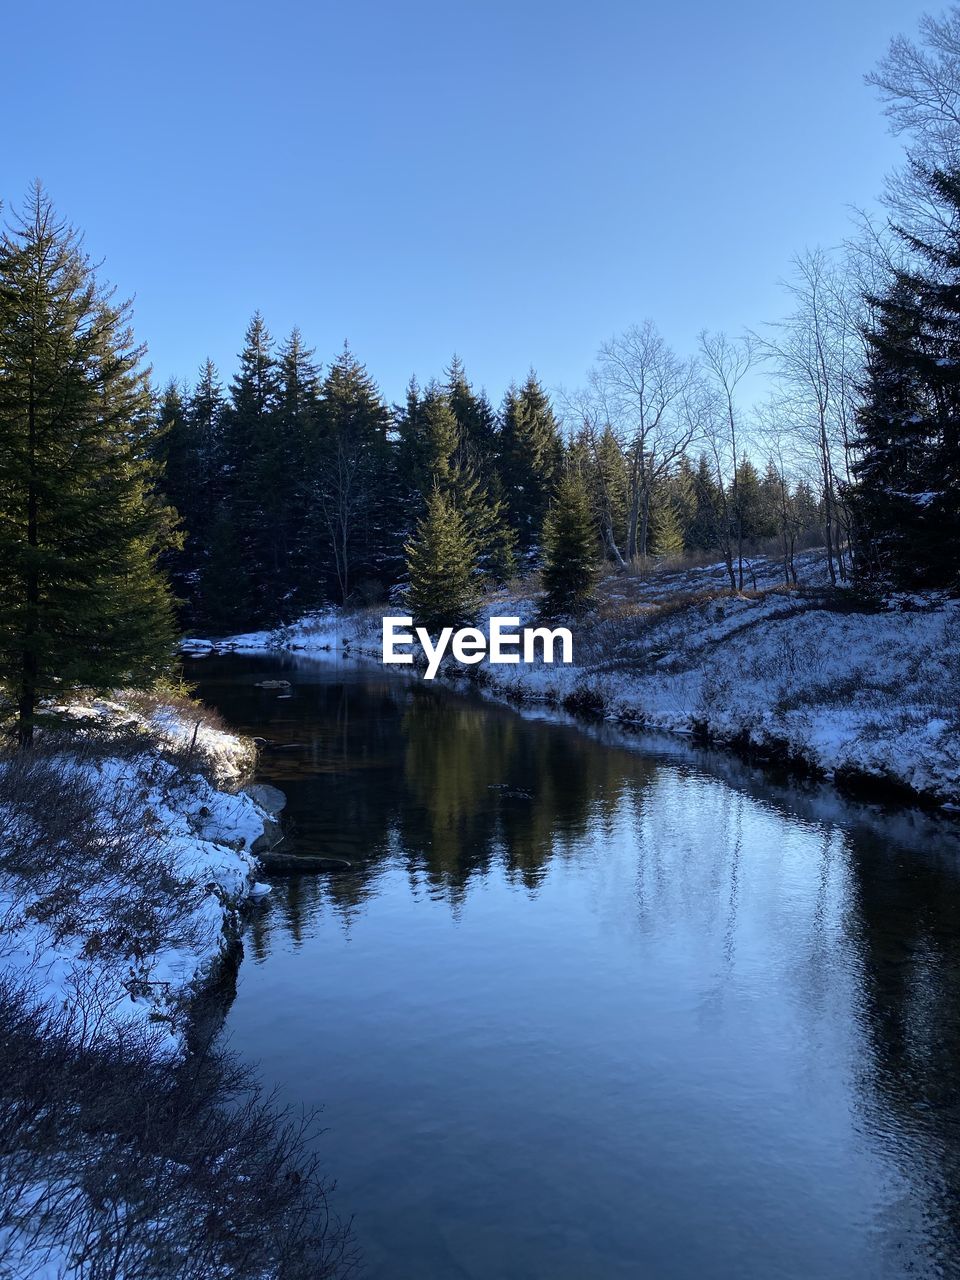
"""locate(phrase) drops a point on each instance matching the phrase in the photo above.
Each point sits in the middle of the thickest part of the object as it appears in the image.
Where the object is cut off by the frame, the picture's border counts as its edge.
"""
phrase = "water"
(592, 1007)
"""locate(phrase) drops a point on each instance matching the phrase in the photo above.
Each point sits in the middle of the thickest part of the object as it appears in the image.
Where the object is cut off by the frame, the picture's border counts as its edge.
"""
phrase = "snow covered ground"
(123, 867)
(125, 858)
(811, 675)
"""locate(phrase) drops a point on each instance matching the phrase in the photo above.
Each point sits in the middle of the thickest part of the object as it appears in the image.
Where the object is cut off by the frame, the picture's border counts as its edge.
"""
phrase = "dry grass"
(132, 1168)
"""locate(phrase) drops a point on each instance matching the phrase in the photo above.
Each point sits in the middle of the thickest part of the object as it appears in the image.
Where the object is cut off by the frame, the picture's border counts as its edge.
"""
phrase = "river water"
(591, 1007)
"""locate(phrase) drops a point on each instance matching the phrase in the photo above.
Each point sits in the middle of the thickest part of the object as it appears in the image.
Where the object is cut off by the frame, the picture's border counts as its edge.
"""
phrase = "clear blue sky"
(515, 180)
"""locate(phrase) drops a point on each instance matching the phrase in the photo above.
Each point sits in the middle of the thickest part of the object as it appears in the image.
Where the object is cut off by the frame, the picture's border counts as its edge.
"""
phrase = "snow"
(808, 676)
(145, 801)
(322, 632)
(200, 835)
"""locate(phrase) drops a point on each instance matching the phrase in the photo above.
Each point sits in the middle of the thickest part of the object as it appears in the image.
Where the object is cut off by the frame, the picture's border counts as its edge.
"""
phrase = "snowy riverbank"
(133, 1144)
(123, 867)
(809, 676)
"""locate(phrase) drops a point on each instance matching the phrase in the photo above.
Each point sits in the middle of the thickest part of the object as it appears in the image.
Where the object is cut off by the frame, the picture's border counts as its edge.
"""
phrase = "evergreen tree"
(355, 488)
(704, 531)
(602, 464)
(748, 506)
(806, 510)
(176, 469)
(906, 496)
(570, 549)
(665, 529)
(80, 522)
(531, 453)
(429, 441)
(474, 414)
(245, 591)
(298, 575)
(683, 495)
(441, 566)
(205, 414)
(434, 453)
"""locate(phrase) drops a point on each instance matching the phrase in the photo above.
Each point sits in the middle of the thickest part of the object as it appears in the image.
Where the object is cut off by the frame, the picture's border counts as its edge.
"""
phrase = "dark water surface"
(591, 1008)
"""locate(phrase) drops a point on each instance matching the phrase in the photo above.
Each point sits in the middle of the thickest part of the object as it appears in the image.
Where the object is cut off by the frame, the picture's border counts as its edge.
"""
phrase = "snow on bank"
(874, 695)
(122, 874)
(323, 632)
(809, 676)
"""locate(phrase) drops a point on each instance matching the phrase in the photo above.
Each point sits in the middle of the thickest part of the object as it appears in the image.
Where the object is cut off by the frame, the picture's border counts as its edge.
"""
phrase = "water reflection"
(583, 1010)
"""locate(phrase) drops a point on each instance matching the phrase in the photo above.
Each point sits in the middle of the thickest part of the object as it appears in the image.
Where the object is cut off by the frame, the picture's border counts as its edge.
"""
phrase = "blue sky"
(513, 181)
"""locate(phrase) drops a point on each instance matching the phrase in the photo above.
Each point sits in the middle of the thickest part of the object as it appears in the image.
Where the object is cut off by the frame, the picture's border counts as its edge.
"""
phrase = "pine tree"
(355, 484)
(171, 452)
(205, 413)
(429, 441)
(80, 522)
(298, 575)
(570, 549)
(683, 494)
(747, 504)
(434, 455)
(531, 453)
(441, 566)
(705, 531)
(906, 497)
(666, 533)
(249, 591)
(474, 414)
(604, 470)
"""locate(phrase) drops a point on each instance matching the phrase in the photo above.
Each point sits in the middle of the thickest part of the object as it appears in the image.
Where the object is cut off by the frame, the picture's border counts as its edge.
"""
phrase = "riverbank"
(127, 857)
(806, 676)
(125, 860)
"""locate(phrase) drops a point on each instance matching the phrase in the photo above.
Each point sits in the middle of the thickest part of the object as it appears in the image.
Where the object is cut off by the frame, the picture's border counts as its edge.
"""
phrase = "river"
(591, 1007)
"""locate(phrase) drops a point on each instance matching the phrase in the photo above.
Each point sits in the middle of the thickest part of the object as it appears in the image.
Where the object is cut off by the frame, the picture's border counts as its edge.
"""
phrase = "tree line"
(298, 487)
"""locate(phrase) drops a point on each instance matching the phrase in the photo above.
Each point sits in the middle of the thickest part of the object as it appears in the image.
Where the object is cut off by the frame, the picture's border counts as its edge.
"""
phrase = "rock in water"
(272, 835)
(282, 864)
(270, 798)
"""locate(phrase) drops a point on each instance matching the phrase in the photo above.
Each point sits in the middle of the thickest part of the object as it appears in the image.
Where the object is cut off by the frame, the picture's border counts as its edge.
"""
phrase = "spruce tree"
(435, 455)
(705, 532)
(530, 457)
(906, 496)
(181, 480)
(666, 533)
(355, 490)
(441, 566)
(570, 549)
(604, 469)
(298, 576)
(474, 414)
(81, 524)
(246, 591)
(205, 413)
(748, 505)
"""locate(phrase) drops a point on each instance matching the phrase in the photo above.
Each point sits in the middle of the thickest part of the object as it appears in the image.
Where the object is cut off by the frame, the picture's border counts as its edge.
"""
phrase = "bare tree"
(726, 362)
(817, 354)
(919, 83)
(775, 433)
(643, 387)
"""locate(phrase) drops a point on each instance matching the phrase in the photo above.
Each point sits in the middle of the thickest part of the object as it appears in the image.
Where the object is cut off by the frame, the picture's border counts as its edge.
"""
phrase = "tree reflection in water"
(822, 934)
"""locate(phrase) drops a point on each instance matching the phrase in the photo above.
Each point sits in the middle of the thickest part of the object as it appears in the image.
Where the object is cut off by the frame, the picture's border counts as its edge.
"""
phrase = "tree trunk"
(27, 693)
(632, 523)
(644, 525)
